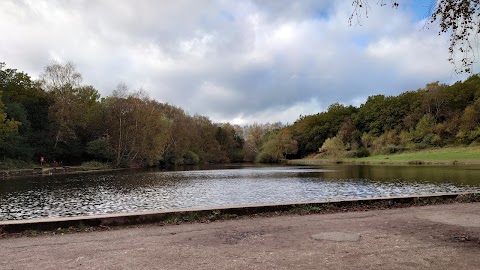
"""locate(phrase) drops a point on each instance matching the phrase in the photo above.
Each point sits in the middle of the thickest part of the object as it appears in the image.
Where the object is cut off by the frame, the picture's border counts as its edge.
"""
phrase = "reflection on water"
(139, 190)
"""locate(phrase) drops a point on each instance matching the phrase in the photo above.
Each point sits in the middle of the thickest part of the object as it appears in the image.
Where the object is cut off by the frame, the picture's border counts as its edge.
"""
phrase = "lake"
(228, 185)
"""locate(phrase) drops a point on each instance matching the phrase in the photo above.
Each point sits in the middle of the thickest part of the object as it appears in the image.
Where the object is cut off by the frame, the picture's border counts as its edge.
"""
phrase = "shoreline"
(449, 155)
(46, 171)
(317, 161)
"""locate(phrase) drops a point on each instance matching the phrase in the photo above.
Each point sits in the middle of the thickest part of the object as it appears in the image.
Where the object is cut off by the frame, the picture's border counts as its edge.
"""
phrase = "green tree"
(100, 149)
(204, 142)
(70, 110)
(278, 146)
(180, 137)
(469, 129)
(231, 143)
(435, 100)
(27, 103)
(424, 131)
(255, 136)
(8, 129)
(333, 147)
(311, 131)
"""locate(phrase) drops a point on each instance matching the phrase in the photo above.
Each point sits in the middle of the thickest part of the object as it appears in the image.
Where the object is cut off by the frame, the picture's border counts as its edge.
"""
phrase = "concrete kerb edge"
(214, 213)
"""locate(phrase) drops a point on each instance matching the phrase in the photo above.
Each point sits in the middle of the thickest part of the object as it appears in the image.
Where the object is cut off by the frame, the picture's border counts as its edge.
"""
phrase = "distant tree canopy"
(458, 18)
(434, 116)
(68, 122)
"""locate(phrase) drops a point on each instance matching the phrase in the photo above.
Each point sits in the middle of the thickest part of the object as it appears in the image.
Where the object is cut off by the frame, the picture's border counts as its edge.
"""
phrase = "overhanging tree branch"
(460, 19)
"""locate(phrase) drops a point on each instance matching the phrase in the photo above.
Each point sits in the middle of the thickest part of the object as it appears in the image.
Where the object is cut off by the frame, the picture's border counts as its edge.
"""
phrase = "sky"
(238, 61)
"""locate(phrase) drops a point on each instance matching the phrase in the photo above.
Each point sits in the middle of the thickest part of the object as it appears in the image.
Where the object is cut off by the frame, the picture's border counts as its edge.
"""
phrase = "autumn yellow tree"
(136, 128)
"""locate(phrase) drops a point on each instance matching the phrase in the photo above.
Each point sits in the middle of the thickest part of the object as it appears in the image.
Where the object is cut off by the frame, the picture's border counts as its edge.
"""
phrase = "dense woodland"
(67, 122)
(435, 116)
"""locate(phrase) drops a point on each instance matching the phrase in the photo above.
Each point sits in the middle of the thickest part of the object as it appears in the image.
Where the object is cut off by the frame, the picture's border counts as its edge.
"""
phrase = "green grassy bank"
(447, 155)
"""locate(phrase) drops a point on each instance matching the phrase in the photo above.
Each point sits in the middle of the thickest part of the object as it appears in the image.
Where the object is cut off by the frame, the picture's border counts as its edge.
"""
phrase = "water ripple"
(74, 195)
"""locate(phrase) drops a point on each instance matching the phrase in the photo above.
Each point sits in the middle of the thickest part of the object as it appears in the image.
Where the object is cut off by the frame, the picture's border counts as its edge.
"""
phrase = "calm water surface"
(140, 190)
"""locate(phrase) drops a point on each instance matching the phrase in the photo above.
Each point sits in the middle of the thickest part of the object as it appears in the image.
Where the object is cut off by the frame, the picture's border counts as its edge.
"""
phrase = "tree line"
(434, 116)
(67, 122)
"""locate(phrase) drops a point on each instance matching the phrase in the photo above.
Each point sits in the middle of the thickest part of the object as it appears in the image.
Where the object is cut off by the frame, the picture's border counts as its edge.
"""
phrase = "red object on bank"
(42, 160)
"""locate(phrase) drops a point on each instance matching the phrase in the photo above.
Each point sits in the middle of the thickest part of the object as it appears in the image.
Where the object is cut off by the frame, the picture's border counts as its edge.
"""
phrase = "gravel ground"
(428, 237)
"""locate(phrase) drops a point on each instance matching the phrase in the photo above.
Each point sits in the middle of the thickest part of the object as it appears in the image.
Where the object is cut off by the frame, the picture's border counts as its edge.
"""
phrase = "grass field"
(447, 155)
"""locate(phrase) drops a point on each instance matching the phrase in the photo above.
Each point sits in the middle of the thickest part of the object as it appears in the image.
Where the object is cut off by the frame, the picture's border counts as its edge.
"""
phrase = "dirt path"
(429, 237)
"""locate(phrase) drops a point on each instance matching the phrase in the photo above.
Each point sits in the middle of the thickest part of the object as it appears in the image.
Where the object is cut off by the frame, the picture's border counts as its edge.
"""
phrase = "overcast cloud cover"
(238, 61)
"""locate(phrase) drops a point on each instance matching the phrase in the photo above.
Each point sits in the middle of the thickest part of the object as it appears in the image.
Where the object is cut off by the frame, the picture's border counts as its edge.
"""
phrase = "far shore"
(318, 161)
(454, 155)
(446, 156)
(43, 171)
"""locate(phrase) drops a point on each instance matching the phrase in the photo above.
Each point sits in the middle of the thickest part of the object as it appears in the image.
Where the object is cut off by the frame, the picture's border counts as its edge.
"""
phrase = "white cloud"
(278, 114)
(238, 61)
